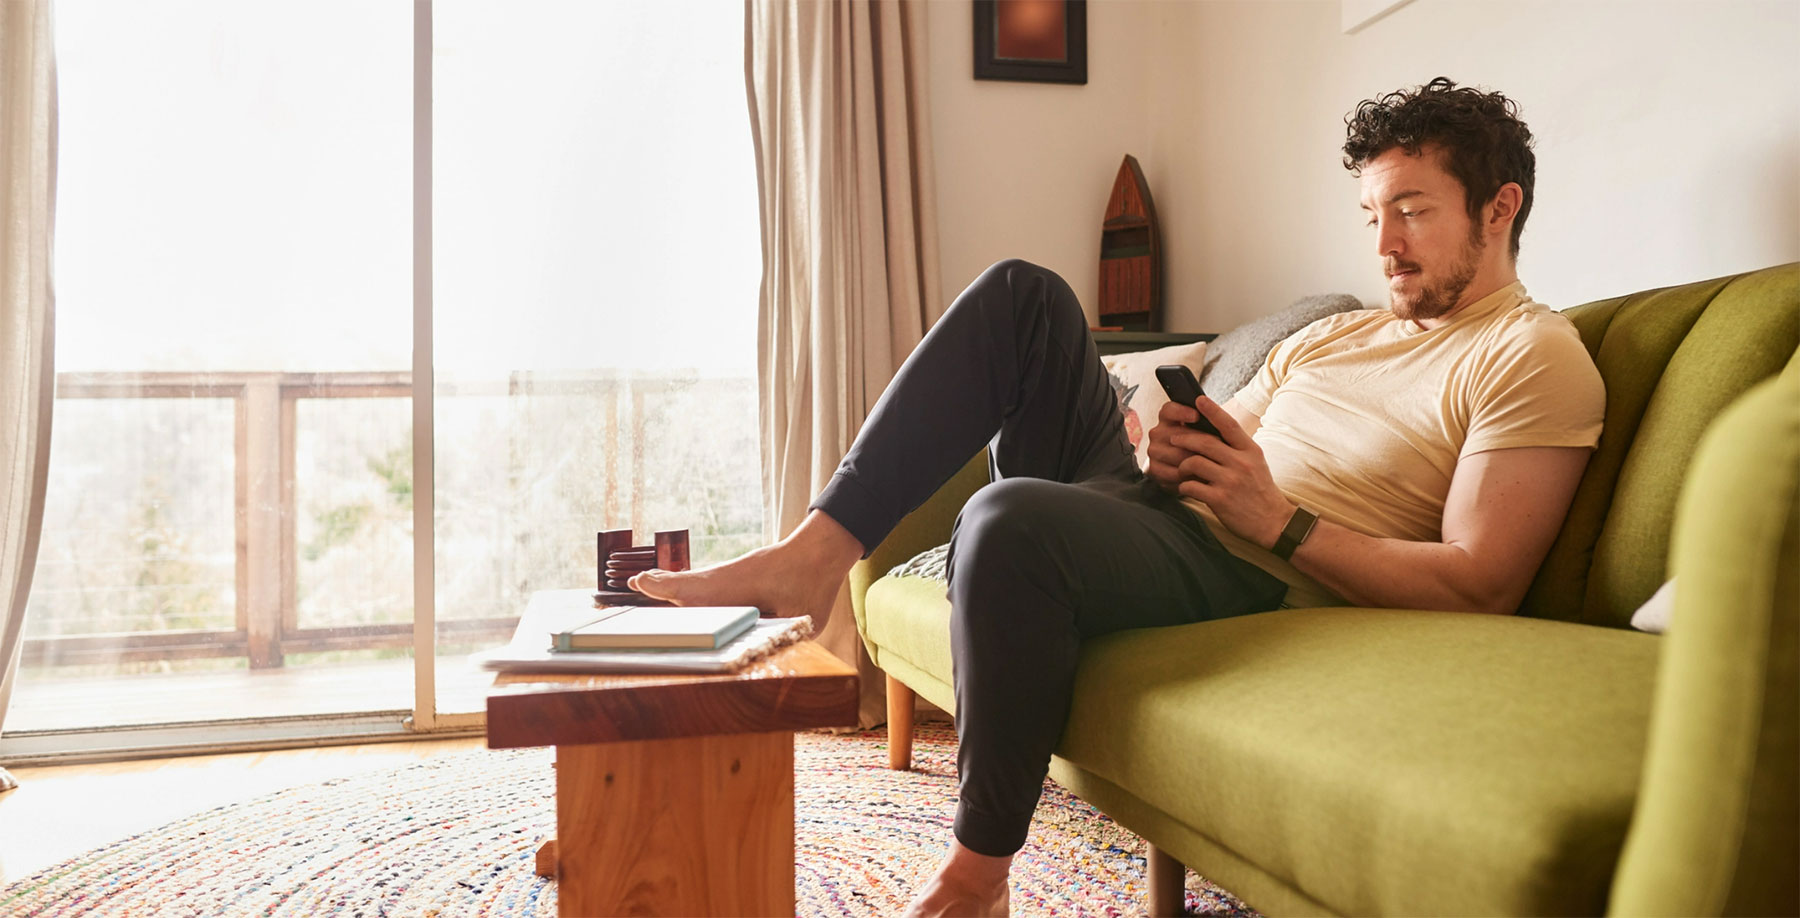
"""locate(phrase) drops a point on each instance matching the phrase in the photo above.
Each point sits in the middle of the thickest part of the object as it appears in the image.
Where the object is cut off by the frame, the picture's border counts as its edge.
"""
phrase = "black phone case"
(1179, 384)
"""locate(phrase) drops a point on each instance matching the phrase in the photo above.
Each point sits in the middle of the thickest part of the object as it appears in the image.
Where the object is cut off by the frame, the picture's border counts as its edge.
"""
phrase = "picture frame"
(1032, 41)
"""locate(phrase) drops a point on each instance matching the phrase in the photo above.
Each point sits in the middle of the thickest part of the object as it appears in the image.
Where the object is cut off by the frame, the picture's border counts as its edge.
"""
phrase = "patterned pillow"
(1133, 378)
(931, 564)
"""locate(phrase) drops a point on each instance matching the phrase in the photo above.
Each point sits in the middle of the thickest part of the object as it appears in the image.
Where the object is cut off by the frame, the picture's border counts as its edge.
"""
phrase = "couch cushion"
(1383, 762)
(1672, 359)
(909, 617)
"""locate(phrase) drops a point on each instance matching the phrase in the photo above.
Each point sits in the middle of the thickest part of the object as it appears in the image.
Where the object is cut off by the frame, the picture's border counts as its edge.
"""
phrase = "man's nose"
(1387, 239)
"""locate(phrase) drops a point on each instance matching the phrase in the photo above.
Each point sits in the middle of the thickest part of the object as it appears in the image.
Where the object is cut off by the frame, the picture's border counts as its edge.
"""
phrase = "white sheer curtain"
(841, 127)
(27, 371)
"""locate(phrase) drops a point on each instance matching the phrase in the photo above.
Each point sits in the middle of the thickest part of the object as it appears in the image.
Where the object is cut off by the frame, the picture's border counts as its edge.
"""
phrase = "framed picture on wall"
(1034, 41)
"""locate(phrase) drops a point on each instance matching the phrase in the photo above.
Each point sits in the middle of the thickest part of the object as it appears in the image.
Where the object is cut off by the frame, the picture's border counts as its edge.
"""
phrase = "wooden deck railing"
(267, 625)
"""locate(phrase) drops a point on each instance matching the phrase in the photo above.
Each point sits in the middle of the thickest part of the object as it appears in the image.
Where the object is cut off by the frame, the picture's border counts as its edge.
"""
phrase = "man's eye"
(1371, 223)
(1409, 213)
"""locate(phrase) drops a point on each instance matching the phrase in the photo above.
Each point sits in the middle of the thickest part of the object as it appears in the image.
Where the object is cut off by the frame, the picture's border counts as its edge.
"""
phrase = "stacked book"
(657, 628)
(562, 631)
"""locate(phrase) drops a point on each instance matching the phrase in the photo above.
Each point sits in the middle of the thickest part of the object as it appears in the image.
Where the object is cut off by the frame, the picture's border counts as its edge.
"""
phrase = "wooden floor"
(60, 811)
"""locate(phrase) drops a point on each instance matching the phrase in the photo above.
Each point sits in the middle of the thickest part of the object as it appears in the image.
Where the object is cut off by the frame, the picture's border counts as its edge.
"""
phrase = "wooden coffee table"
(675, 794)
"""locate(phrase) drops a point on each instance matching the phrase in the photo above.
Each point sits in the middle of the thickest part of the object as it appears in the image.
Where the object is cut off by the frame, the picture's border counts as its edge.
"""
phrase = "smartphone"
(1179, 382)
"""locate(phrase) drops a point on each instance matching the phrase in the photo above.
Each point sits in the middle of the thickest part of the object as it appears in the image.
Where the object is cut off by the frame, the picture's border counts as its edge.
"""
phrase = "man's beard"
(1433, 300)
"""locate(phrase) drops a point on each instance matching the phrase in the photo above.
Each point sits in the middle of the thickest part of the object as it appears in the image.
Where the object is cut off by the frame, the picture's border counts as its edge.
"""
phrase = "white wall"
(1668, 142)
(1024, 169)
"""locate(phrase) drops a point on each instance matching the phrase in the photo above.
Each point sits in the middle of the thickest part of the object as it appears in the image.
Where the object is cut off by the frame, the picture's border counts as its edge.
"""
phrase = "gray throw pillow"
(1233, 358)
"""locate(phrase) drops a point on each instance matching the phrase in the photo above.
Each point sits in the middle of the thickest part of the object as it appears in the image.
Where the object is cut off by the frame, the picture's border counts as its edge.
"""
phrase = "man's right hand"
(1165, 456)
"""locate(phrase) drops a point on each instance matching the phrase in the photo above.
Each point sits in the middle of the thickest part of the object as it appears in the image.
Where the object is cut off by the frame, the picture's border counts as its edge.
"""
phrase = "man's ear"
(1500, 212)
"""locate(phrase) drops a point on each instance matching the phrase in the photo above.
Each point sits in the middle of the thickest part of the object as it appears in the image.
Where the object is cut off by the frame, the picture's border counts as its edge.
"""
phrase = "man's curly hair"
(1485, 143)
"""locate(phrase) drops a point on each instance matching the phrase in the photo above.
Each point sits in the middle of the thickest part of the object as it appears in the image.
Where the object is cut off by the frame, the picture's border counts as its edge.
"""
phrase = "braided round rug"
(456, 836)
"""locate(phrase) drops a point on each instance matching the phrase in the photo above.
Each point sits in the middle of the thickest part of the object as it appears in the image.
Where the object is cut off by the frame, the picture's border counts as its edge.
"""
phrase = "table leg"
(692, 826)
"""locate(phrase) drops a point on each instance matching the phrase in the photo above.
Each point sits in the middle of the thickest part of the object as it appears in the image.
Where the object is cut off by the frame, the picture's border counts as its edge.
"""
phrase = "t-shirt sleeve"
(1540, 389)
(1256, 394)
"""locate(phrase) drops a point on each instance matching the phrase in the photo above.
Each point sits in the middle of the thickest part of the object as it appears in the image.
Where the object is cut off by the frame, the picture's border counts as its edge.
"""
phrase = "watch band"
(1299, 526)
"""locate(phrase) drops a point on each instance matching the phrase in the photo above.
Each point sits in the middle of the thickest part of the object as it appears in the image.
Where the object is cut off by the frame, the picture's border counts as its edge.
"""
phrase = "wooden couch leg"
(900, 700)
(1168, 884)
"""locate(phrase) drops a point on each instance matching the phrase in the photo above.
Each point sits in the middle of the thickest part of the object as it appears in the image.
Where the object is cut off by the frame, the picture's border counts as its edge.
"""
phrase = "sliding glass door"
(233, 314)
(597, 260)
(260, 514)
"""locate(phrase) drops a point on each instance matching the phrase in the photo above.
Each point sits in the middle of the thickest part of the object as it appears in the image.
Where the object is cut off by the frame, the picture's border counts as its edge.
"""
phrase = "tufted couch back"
(1672, 360)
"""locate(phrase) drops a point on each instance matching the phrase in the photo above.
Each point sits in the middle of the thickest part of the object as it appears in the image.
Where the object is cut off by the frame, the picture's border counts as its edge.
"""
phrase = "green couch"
(1395, 761)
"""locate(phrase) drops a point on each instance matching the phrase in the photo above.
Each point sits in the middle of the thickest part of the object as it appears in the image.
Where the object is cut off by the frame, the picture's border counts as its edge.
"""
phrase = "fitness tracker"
(1299, 526)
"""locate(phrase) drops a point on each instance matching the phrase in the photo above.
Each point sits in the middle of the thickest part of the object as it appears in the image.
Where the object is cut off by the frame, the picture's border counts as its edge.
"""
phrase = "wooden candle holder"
(619, 560)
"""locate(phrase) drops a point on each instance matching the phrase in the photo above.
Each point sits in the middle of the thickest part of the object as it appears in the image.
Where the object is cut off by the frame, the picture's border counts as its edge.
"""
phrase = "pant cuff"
(855, 508)
(994, 836)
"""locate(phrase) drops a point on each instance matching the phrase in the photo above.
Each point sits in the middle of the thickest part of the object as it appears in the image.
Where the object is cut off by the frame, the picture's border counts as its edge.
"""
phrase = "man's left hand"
(1231, 476)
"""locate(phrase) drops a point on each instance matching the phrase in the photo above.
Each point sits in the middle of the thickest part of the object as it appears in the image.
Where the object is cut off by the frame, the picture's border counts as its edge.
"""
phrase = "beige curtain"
(839, 120)
(27, 373)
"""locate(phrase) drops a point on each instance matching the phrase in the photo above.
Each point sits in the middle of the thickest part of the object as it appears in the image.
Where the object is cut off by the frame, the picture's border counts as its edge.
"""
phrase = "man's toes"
(654, 583)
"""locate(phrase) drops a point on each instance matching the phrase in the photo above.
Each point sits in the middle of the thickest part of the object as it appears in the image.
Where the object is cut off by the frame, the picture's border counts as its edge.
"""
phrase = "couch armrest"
(1714, 832)
(928, 526)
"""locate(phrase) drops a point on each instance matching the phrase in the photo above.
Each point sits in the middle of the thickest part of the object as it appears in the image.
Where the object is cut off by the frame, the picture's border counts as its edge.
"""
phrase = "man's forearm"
(1398, 574)
(1501, 513)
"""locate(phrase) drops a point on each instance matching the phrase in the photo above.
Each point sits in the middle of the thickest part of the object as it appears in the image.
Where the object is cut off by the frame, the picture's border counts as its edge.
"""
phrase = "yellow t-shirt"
(1365, 415)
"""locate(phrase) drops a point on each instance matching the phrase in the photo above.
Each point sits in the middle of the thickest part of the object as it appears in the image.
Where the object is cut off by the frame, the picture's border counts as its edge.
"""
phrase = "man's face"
(1430, 250)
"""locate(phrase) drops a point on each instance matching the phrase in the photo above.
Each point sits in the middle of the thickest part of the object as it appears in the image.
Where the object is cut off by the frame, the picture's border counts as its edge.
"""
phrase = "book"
(765, 637)
(553, 611)
(657, 628)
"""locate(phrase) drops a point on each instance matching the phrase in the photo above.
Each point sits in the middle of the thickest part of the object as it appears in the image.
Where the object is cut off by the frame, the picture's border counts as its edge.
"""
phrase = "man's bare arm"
(1500, 517)
(1504, 509)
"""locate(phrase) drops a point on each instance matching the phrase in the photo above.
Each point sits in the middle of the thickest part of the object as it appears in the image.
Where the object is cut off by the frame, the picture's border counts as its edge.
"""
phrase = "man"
(1422, 456)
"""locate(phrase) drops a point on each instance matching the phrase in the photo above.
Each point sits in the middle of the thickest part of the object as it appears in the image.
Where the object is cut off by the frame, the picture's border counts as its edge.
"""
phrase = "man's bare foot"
(798, 575)
(966, 884)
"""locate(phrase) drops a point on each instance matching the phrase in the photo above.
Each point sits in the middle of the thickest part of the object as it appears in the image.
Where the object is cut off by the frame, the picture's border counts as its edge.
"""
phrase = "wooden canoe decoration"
(1131, 255)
